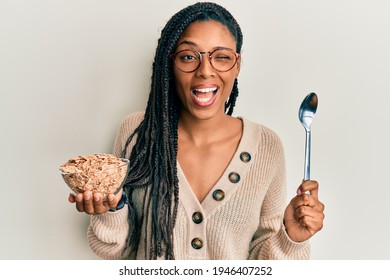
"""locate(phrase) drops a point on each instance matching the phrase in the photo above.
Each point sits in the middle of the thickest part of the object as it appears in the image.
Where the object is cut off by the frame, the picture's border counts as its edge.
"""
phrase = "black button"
(245, 157)
(197, 217)
(218, 195)
(234, 177)
(197, 243)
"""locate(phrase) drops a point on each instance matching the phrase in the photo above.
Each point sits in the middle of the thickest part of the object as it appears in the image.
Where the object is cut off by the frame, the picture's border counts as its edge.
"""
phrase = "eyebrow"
(185, 42)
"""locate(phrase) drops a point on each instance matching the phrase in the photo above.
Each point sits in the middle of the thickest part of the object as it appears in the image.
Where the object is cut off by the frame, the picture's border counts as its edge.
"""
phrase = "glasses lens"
(223, 60)
(187, 60)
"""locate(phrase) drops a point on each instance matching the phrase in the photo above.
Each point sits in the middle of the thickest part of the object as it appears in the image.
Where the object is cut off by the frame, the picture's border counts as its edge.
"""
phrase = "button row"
(218, 195)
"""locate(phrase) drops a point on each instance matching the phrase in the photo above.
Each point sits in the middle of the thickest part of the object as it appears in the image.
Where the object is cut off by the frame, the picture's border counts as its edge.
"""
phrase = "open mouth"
(204, 96)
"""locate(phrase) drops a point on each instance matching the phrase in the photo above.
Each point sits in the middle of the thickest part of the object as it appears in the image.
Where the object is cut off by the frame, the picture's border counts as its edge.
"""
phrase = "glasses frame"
(210, 53)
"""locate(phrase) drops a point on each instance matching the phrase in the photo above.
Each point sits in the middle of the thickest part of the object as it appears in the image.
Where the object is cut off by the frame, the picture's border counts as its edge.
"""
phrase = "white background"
(70, 71)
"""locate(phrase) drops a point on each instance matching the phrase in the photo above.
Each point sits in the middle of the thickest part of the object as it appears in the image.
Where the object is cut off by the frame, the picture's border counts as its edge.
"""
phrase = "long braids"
(153, 166)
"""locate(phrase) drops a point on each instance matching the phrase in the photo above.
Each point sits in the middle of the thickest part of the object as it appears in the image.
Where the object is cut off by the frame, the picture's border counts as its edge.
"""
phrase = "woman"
(202, 184)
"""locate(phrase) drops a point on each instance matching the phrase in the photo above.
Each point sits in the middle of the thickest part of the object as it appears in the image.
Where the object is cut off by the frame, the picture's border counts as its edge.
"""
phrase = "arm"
(108, 231)
(107, 234)
(271, 240)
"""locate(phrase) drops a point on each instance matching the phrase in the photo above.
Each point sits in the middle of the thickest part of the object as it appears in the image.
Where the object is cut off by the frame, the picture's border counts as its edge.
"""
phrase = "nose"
(205, 70)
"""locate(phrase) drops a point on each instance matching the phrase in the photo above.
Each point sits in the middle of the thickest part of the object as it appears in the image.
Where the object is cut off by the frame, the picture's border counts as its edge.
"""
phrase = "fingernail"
(299, 191)
(87, 196)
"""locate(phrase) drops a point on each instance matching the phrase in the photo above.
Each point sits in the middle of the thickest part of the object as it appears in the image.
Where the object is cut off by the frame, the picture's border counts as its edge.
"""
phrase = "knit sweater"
(240, 218)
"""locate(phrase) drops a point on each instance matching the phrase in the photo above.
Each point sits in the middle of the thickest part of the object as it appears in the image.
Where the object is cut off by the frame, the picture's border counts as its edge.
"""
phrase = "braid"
(153, 167)
(232, 99)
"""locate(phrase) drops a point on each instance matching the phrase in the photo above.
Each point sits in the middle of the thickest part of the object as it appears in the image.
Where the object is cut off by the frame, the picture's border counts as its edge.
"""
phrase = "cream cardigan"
(240, 218)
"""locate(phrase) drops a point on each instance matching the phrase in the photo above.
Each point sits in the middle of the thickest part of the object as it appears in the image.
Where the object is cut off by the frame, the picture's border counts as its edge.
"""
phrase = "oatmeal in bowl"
(99, 173)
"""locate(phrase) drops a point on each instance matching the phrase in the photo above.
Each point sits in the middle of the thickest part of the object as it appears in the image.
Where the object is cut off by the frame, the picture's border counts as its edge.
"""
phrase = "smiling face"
(203, 93)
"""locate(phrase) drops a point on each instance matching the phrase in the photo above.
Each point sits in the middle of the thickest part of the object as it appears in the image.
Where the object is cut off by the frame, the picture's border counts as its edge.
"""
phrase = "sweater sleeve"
(108, 232)
(271, 240)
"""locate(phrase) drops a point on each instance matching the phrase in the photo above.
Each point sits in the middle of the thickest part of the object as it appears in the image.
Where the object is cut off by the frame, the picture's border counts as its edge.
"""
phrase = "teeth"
(203, 100)
(202, 95)
(205, 90)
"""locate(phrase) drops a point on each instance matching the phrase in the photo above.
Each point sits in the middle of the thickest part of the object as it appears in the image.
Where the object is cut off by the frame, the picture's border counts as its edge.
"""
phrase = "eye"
(222, 57)
(187, 57)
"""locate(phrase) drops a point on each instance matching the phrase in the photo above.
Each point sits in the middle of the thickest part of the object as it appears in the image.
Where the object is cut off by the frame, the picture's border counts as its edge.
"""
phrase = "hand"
(93, 203)
(304, 215)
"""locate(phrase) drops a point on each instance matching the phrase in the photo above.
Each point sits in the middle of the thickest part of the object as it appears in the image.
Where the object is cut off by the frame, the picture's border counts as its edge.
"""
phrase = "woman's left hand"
(304, 215)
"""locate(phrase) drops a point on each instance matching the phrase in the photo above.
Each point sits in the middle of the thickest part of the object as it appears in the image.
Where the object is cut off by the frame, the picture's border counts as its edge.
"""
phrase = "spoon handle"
(307, 155)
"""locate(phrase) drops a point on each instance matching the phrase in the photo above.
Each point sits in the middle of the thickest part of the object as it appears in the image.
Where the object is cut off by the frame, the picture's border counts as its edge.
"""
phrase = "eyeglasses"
(222, 59)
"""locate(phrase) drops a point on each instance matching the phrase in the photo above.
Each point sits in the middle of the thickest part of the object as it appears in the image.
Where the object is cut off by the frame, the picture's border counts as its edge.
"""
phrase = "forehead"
(207, 34)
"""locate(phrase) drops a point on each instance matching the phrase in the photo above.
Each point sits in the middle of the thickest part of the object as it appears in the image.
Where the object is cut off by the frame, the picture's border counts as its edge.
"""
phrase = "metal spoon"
(306, 114)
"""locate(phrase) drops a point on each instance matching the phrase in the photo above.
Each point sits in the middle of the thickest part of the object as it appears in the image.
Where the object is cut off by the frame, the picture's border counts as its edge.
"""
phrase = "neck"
(201, 131)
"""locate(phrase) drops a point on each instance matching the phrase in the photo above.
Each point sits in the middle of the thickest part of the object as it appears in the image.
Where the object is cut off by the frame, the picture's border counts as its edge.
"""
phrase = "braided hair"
(153, 169)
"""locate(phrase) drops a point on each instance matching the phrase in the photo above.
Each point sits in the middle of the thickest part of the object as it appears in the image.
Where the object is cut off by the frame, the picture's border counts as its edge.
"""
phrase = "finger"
(306, 200)
(307, 211)
(88, 203)
(112, 201)
(79, 202)
(320, 206)
(100, 207)
(71, 198)
(312, 224)
(299, 190)
(303, 200)
(308, 187)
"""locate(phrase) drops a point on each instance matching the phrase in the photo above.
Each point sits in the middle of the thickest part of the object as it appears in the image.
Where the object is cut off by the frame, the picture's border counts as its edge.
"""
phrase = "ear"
(238, 66)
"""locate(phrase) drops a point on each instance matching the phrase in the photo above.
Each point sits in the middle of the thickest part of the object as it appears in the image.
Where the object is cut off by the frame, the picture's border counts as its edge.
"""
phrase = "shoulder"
(263, 141)
(126, 128)
(264, 134)
(130, 123)
(266, 146)
(133, 119)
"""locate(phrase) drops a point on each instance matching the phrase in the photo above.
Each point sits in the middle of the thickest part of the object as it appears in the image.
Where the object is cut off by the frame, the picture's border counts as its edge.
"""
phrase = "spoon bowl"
(308, 109)
(306, 114)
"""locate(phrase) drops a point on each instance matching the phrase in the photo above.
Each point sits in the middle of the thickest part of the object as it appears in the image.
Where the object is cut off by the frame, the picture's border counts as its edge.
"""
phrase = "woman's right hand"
(93, 203)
